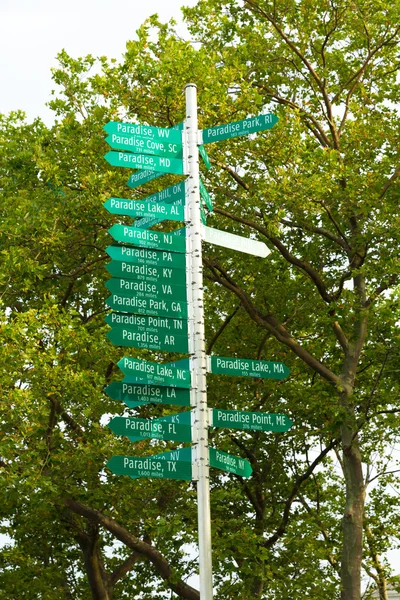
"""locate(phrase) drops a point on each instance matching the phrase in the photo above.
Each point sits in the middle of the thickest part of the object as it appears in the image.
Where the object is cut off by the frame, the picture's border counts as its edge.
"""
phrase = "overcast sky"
(32, 32)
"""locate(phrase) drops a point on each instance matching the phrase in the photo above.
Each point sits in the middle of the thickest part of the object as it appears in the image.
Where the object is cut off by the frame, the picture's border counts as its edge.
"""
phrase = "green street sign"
(155, 373)
(247, 367)
(256, 421)
(134, 338)
(146, 289)
(150, 467)
(147, 239)
(128, 270)
(182, 419)
(144, 131)
(142, 145)
(141, 177)
(150, 323)
(145, 161)
(206, 196)
(142, 256)
(204, 156)
(230, 463)
(239, 128)
(182, 454)
(139, 208)
(203, 216)
(150, 428)
(145, 393)
(148, 306)
(174, 194)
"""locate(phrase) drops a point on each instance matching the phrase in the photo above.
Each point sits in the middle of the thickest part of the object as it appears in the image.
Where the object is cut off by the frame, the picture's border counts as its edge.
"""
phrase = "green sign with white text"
(145, 161)
(239, 128)
(206, 196)
(155, 372)
(142, 145)
(141, 177)
(230, 463)
(133, 338)
(147, 239)
(140, 208)
(247, 367)
(144, 131)
(150, 467)
(256, 421)
(127, 270)
(150, 323)
(148, 306)
(146, 289)
(150, 428)
(145, 393)
(147, 257)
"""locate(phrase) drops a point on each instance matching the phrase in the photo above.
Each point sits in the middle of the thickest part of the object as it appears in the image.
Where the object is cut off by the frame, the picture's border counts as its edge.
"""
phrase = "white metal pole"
(200, 453)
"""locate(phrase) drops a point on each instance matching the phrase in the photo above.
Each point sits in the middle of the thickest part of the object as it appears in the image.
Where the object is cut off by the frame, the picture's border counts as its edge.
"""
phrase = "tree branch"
(182, 589)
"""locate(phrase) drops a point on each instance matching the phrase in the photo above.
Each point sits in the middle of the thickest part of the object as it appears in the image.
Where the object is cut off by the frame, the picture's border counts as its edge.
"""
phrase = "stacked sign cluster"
(149, 301)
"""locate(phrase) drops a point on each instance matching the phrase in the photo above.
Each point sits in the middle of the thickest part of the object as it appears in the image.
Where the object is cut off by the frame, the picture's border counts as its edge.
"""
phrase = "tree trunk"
(97, 577)
(352, 523)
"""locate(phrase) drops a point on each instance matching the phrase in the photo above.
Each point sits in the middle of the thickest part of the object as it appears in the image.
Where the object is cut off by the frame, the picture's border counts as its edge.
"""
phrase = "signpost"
(235, 242)
(138, 208)
(145, 393)
(157, 296)
(147, 428)
(247, 367)
(150, 467)
(238, 419)
(145, 161)
(238, 128)
(147, 239)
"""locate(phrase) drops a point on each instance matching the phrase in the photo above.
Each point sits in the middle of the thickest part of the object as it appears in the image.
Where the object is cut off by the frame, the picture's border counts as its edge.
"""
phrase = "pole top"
(190, 85)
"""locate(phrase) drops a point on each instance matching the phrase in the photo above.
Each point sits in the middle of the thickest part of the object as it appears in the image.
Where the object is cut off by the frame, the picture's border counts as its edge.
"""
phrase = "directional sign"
(147, 239)
(140, 208)
(150, 428)
(230, 463)
(143, 145)
(247, 367)
(234, 242)
(146, 289)
(155, 372)
(144, 393)
(145, 161)
(148, 306)
(151, 323)
(127, 270)
(239, 128)
(206, 196)
(150, 467)
(142, 177)
(181, 232)
(182, 419)
(179, 455)
(174, 194)
(133, 338)
(142, 256)
(203, 216)
(204, 156)
(144, 131)
(237, 419)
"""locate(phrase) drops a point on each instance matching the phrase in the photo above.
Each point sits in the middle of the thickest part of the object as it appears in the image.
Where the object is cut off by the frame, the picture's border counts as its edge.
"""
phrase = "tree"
(322, 190)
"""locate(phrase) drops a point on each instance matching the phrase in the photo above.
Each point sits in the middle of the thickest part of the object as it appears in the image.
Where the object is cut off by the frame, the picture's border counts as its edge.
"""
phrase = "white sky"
(32, 32)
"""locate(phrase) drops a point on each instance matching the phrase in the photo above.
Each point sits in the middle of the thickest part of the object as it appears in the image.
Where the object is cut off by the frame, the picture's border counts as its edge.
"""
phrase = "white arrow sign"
(235, 242)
